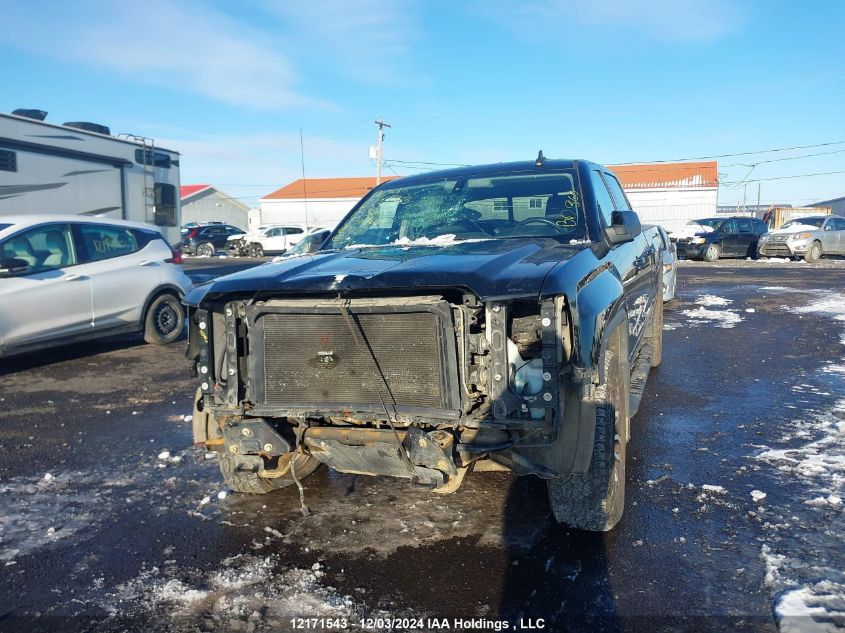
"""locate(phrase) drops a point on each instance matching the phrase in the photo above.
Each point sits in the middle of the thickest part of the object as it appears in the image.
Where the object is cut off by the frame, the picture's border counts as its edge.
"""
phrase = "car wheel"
(206, 249)
(594, 500)
(164, 320)
(813, 253)
(712, 253)
(249, 481)
(256, 250)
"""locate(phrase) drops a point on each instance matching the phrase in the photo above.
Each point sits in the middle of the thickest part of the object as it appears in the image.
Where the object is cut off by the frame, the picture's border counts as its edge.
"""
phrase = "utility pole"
(304, 182)
(758, 197)
(381, 125)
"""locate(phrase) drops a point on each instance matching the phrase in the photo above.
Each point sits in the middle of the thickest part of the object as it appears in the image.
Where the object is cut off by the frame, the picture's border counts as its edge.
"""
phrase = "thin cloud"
(668, 20)
(182, 46)
(366, 39)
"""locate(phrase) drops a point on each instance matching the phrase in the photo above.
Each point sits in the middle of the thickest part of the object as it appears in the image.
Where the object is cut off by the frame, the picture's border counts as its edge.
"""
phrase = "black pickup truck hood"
(511, 267)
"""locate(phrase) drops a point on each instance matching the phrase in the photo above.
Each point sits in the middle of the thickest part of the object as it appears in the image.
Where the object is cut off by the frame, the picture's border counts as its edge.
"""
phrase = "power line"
(762, 151)
(821, 173)
(778, 160)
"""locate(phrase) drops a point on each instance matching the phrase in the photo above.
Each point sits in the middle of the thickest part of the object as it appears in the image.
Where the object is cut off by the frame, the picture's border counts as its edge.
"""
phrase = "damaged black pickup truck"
(499, 317)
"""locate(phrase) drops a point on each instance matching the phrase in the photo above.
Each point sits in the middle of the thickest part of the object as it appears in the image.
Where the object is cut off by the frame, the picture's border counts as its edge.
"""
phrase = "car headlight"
(801, 236)
(697, 240)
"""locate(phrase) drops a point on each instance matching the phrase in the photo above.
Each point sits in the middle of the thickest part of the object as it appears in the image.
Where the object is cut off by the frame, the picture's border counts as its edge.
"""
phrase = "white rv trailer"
(49, 168)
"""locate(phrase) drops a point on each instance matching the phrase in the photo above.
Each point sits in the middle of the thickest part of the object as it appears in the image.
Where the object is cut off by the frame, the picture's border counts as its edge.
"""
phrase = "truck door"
(635, 261)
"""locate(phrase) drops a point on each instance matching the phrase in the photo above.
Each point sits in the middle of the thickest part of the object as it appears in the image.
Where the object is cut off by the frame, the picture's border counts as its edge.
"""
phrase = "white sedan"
(71, 278)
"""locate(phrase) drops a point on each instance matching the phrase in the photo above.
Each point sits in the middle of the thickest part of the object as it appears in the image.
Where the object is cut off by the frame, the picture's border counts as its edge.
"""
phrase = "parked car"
(712, 238)
(206, 239)
(670, 263)
(238, 244)
(70, 278)
(810, 238)
(272, 240)
(499, 316)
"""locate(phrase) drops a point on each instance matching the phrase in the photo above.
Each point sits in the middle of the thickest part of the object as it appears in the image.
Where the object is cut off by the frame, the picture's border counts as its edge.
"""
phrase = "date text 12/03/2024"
(415, 624)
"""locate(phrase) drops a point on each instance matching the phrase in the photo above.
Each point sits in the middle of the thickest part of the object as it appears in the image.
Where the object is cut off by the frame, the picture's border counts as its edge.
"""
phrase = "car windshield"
(309, 243)
(467, 208)
(713, 223)
(814, 222)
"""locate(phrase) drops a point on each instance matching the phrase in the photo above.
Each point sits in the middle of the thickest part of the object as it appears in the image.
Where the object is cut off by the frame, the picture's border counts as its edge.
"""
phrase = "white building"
(670, 194)
(313, 202)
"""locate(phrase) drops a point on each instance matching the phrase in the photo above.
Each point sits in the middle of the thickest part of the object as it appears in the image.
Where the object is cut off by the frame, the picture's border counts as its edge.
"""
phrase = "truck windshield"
(815, 222)
(469, 208)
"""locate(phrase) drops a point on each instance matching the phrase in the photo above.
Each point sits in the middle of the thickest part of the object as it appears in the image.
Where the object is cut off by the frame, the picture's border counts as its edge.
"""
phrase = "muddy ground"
(111, 520)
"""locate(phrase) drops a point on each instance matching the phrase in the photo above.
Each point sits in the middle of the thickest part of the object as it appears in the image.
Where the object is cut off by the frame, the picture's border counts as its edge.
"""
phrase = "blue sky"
(230, 85)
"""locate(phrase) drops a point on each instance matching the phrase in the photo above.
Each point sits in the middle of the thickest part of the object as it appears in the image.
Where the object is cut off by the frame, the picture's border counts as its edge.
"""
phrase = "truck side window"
(619, 196)
(603, 198)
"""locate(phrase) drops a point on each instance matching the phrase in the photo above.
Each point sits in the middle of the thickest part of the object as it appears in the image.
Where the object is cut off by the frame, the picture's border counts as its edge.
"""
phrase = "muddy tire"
(711, 254)
(814, 253)
(594, 500)
(206, 249)
(164, 320)
(249, 482)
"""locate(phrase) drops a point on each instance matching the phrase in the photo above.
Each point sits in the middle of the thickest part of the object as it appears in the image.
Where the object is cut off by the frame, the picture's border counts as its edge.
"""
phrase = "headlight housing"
(697, 240)
(801, 236)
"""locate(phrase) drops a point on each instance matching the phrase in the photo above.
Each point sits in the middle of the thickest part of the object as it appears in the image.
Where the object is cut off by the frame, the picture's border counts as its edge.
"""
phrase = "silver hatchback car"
(70, 278)
(810, 238)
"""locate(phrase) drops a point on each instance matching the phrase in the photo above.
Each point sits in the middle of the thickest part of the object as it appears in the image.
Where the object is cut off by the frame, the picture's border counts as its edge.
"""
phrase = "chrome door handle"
(146, 262)
(75, 277)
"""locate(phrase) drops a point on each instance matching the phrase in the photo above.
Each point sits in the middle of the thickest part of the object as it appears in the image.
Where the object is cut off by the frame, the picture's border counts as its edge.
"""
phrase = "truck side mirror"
(624, 227)
(13, 266)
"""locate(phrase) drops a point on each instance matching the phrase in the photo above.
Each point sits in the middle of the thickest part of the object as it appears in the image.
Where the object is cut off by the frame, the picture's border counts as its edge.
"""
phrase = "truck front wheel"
(249, 481)
(594, 500)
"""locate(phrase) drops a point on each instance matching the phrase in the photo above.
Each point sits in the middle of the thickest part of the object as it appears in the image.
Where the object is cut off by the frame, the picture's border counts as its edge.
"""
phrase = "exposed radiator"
(312, 358)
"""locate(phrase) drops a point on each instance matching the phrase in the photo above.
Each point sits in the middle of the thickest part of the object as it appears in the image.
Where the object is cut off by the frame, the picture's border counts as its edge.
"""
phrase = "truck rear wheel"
(594, 500)
(249, 481)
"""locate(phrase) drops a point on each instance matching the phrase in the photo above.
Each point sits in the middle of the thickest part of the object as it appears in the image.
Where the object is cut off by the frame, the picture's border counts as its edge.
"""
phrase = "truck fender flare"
(600, 302)
(582, 439)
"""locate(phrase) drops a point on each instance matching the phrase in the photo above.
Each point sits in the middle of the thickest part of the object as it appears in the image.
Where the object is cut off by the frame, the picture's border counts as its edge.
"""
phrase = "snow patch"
(712, 300)
(719, 318)
(246, 593)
